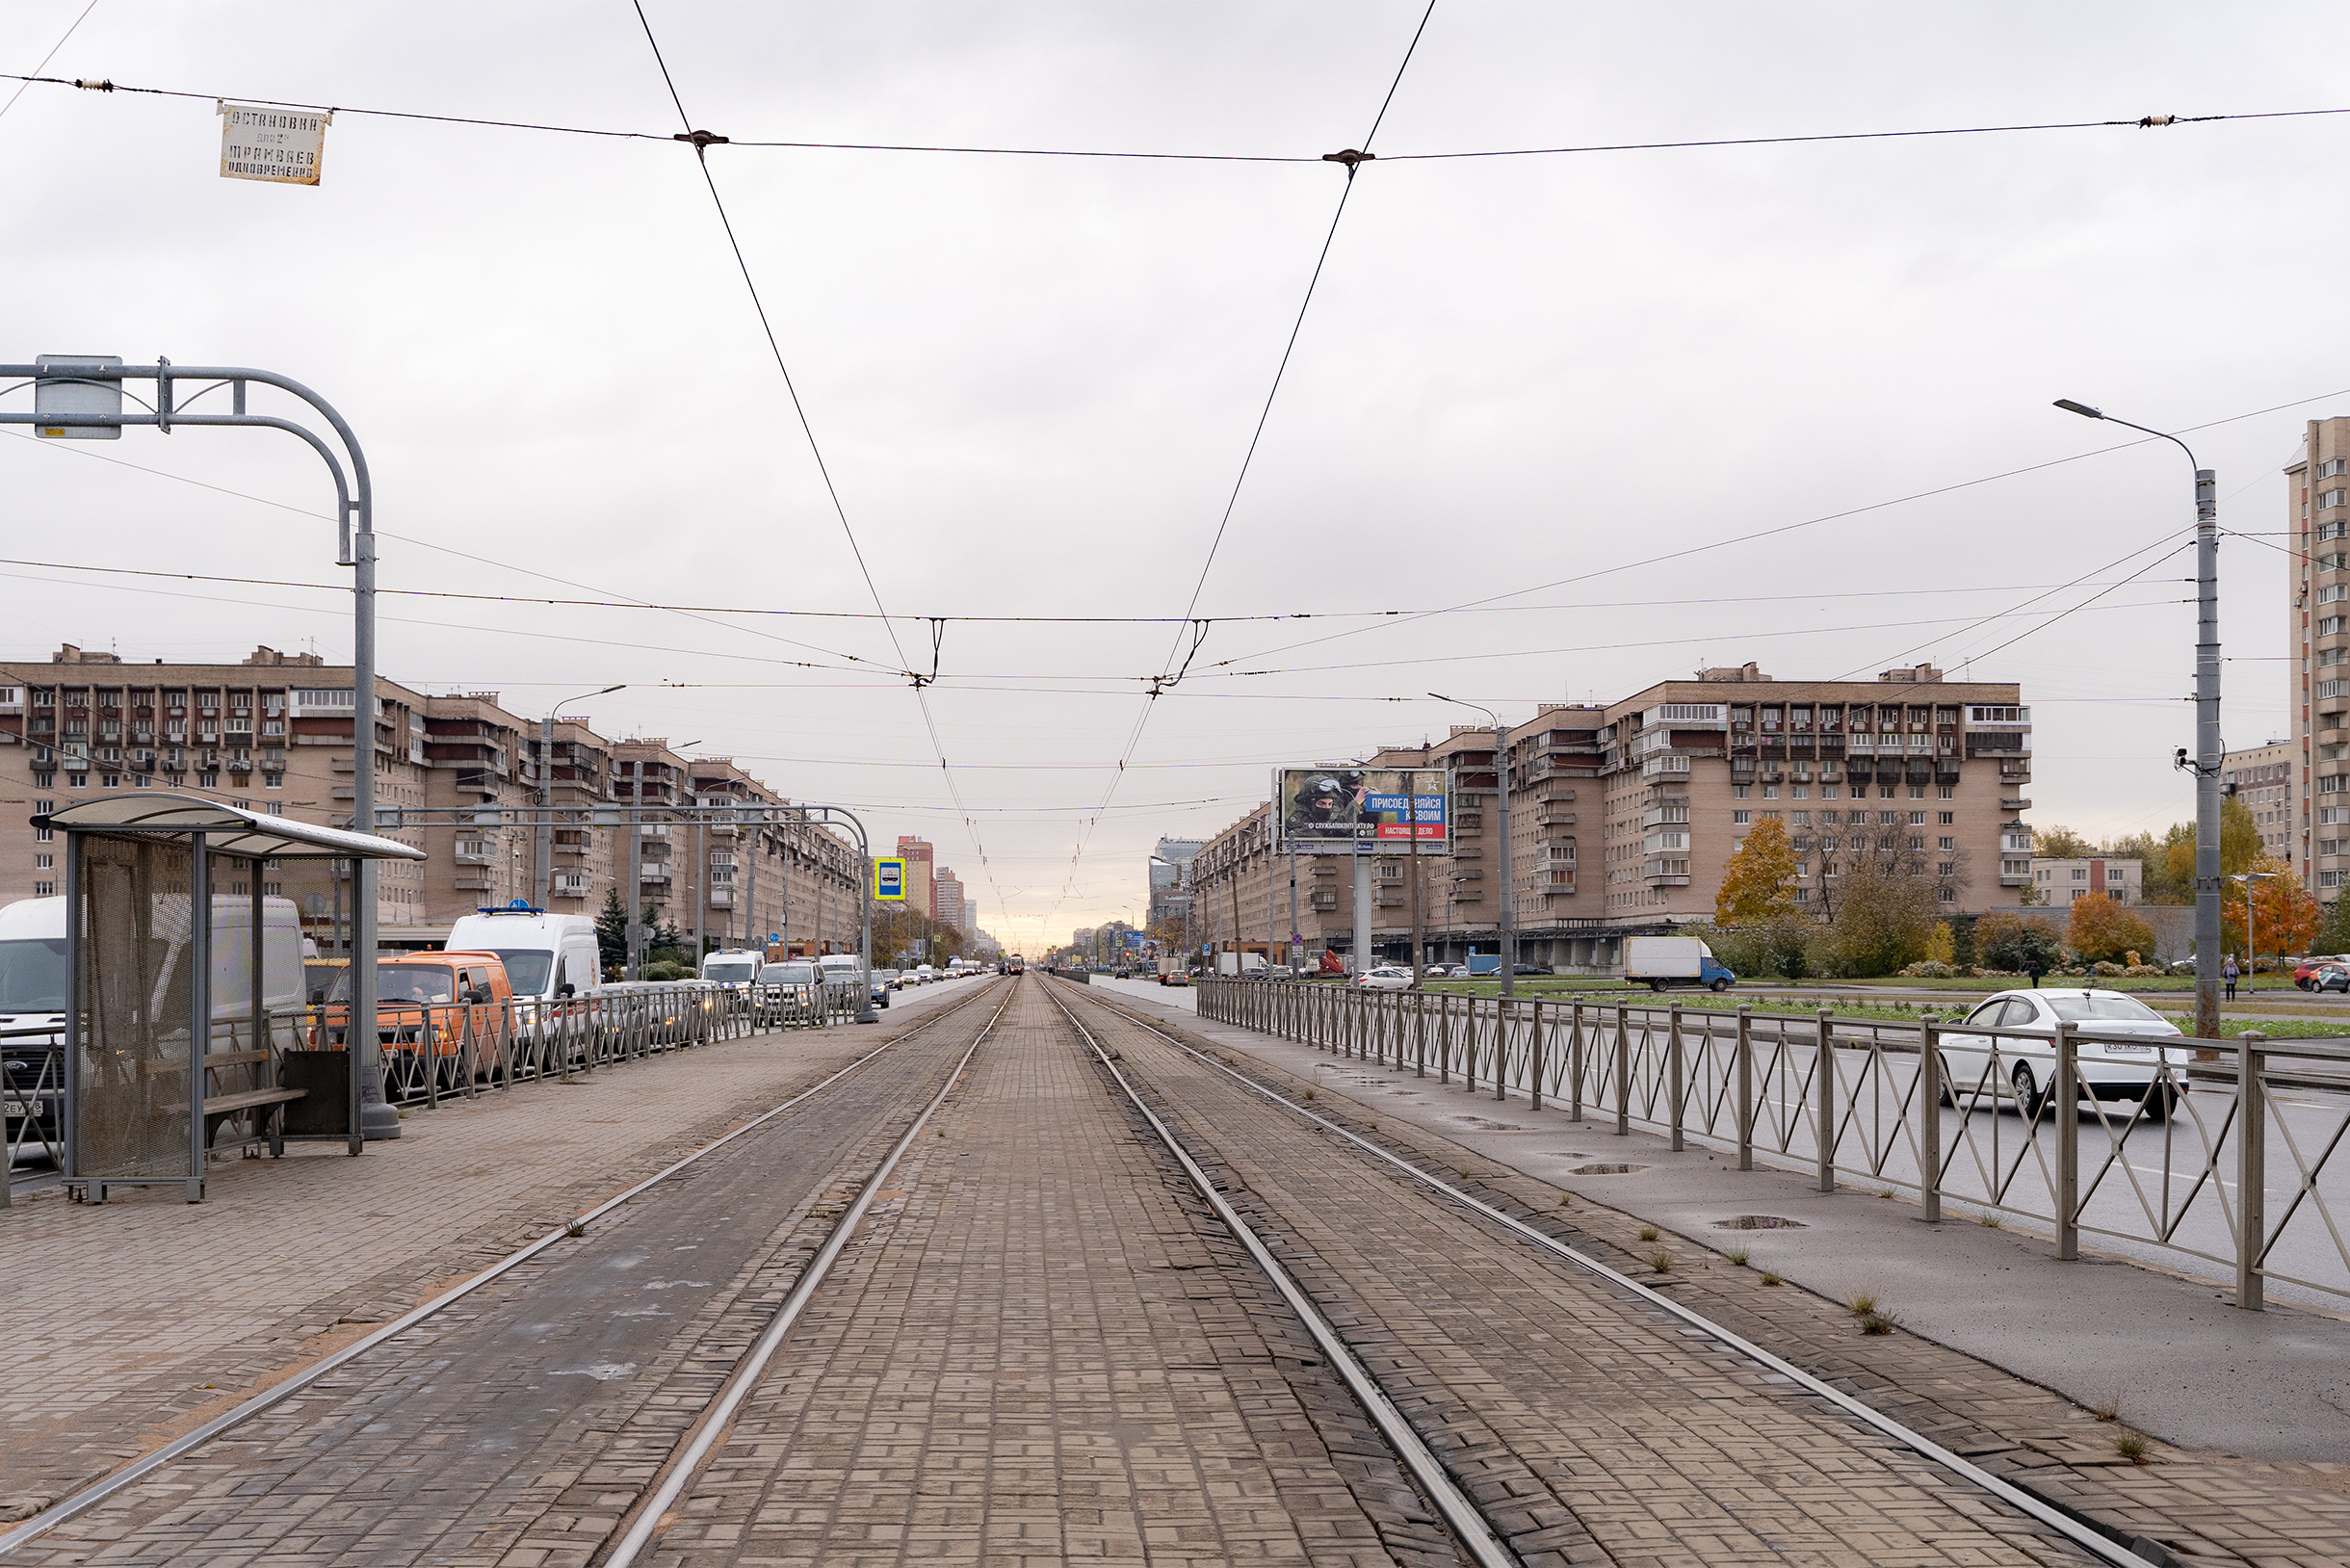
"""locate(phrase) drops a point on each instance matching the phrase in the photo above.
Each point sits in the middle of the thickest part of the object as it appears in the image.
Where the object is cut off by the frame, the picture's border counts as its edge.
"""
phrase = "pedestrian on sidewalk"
(2229, 975)
(2035, 969)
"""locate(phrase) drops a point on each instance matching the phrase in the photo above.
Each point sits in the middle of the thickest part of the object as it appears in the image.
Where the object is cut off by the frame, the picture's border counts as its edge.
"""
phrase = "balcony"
(657, 876)
(2014, 802)
(1667, 767)
(1554, 818)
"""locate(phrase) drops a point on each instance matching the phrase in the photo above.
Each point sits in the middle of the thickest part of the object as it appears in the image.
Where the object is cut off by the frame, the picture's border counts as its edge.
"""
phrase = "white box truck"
(1662, 961)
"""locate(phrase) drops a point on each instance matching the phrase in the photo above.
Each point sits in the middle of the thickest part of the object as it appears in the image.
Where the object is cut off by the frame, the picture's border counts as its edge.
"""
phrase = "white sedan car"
(1385, 977)
(1978, 1069)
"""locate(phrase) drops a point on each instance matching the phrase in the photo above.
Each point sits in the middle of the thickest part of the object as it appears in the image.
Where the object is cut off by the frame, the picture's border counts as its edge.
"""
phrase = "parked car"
(1385, 977)
(1447, 971)
(1527, 969)
(1983, 1067)
(2329, 977)
(2307, 968)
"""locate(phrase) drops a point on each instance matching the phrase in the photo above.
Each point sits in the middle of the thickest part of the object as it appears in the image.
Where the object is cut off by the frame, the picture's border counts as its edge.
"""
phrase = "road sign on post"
(889, 879)
(279, 147)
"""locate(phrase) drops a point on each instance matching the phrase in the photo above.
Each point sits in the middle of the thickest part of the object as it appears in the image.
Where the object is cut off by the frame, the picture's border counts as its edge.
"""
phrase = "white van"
(733, 966)
(32, 958)
(546, 956)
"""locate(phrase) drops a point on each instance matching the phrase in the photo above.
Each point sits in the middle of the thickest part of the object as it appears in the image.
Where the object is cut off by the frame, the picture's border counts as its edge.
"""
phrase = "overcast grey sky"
(1035, 379)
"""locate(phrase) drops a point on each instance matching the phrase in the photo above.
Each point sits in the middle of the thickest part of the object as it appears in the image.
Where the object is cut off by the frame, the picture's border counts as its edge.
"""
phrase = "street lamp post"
(2208, 753)
(84, 392)
(544, 867)
(1506, 920)
(2252, 947)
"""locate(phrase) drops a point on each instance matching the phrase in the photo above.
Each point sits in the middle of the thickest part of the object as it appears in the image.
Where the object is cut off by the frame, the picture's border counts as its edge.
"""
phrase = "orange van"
(428, 1004)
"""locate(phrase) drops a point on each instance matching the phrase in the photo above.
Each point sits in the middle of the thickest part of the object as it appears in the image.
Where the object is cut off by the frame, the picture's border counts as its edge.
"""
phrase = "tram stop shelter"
(179, 1028)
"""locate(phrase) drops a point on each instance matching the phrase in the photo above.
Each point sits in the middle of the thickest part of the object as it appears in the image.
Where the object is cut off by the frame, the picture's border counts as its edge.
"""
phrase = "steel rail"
(652, 1511)
(2043, 1512)
(98, 1491)
(1468, 1523)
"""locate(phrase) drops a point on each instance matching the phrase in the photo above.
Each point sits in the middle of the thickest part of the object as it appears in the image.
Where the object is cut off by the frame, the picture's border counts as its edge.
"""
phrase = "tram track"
(2078, 1532)
(720, 1155)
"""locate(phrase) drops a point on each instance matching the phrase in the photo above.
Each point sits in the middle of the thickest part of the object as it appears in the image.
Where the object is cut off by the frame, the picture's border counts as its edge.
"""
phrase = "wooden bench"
(220, 1108)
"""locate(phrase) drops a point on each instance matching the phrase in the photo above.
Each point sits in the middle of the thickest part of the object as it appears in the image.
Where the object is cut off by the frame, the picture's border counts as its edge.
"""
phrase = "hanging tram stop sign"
(279, 146)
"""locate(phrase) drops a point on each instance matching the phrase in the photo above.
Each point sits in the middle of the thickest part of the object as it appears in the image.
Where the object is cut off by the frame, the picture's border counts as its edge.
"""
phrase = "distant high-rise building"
(2315, 792)
(946, 893)
(918, 853)
(1170, 878)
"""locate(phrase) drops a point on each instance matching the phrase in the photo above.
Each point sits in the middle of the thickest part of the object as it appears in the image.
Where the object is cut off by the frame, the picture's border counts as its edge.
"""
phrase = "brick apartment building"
(274, 733)
(1623, 816)
(2060, 882)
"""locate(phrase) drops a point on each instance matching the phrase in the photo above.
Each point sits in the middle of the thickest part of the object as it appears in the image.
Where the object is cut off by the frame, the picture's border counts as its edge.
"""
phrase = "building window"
(1742, 817)
(1916, 840)
(44, 862)
(1827, 791)
(44, 890)
(1945, 792)
(1885, 792)
(1947, 894)
(110, 781)
(1770, 792)
(1917, 792)
(1916, 819)
(1947, 868)
(2079, 875)
(1946, 843)
(273, 781)
(1947, 818)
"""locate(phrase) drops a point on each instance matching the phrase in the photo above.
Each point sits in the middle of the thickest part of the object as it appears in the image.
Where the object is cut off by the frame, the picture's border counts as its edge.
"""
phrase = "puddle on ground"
(1488, 1125)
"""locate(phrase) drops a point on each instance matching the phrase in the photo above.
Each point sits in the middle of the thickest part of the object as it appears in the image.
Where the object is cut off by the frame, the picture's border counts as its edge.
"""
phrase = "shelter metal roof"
(227, 829)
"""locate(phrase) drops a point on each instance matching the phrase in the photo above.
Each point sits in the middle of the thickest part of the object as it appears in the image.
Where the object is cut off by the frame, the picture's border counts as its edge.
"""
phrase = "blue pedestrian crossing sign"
(889, 879)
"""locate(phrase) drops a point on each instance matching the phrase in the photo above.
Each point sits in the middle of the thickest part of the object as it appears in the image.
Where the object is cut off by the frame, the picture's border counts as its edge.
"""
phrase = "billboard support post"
(1411, 821)
(1362, 909)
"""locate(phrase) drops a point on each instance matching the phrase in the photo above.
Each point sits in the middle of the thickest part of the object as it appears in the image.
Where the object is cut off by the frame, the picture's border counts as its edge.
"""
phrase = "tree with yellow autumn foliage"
(1759, 880)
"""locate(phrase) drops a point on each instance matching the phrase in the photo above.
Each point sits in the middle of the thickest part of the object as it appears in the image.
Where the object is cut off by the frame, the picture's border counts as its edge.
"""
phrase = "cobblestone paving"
(146, 1315)
(1044, 1350)
(2205, 1507)
(459, 1442)
(1588, 1428)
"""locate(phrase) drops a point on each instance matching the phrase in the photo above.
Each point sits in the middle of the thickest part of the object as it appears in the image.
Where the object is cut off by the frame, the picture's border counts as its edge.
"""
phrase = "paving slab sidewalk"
(2254, 1407)
(134, 1319)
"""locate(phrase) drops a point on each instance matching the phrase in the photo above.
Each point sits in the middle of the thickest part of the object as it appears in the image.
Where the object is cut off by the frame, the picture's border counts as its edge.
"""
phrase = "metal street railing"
(32, 1100)
(2225, 1151)
(437, 1051)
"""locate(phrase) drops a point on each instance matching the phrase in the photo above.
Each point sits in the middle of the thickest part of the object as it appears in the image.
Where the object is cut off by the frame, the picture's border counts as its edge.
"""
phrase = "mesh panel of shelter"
(131, 1100)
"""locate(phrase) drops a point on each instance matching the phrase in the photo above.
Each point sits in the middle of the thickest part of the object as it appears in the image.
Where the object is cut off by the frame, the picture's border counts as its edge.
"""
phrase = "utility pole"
(1296, 949)
(2209, 755)
(1411, 827)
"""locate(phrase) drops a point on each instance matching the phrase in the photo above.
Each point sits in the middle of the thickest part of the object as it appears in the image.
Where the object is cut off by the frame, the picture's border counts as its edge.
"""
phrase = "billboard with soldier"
(1329, 810)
